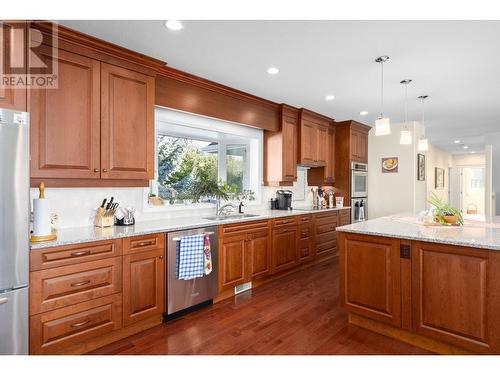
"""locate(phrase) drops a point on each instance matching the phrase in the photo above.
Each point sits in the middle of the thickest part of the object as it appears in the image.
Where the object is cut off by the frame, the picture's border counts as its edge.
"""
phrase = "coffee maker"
(284, 199)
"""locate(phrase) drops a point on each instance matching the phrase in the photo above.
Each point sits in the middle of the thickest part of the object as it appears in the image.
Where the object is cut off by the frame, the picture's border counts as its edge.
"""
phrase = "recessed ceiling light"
(466, 147)
(363, 113)
(457, 141)
(273, 70)
(330, 97)
(174, 25)
(473, 152)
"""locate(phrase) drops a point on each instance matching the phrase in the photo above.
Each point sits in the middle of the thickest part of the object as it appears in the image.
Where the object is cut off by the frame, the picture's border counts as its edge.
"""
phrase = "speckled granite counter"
(476, 232)
(68, 236)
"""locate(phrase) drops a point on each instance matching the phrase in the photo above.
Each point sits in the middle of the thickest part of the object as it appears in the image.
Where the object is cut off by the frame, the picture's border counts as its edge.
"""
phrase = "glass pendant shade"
(383, 126)
(405, 137)
(423, 144)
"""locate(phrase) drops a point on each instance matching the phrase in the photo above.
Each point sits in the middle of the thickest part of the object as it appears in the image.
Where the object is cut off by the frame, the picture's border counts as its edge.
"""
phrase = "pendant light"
(405, 138)
(423, 143)
(382, 124)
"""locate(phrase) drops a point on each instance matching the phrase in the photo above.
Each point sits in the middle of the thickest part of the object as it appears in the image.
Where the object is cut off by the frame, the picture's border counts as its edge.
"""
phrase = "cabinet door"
(143, 285)
(308, 142)
(455, 295)
(127, 124)
(330, 161)
(306, 243)
(284, 248)
(322, 145)
(65, 123)
(290, 139)
(363, 147)
(232, 262)
(355, 145)
(259, 252)
(370, 282)
(13, 49)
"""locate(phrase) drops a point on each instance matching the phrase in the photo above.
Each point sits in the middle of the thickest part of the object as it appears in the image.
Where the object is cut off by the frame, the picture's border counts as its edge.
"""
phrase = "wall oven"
(359, 180)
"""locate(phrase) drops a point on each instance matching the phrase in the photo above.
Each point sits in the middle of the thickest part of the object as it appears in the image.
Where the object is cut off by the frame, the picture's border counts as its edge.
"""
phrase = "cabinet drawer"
(305, 232)
(328, 247)
(246, 227)
(132, 245)
(286, 221)
(345, 217)
(326, 237)
(73, 254)
(63, 286)
(326, 227)
(55, 331)
(305, 219)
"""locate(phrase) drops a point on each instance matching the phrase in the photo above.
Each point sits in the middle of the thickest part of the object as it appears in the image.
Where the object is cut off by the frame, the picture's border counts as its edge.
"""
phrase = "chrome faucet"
(222, 210)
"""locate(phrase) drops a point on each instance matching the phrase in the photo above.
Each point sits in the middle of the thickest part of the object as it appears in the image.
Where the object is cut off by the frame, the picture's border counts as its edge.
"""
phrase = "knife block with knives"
(105, 215)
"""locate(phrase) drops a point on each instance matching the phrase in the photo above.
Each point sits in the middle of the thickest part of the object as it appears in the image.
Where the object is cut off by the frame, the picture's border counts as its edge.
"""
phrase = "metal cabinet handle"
(81, 283)
(4, 300)
(161, 257)
(104, 170)
(96, 170)
(80, 253)
(76, 325)
(145, 243)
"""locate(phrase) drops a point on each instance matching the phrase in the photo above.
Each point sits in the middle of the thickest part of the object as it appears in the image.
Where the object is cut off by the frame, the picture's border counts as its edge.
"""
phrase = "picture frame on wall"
(420, 167)
(390, 165)
(439, 178)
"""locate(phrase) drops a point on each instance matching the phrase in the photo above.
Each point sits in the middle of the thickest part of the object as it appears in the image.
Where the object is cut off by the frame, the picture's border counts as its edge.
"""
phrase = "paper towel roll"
(41, 217)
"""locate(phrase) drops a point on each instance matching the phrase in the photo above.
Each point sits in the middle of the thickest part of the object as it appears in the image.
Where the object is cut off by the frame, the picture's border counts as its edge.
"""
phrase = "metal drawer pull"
(3, 300)
(76, 325)
(82, 283)
(145, 243)
(80, 253)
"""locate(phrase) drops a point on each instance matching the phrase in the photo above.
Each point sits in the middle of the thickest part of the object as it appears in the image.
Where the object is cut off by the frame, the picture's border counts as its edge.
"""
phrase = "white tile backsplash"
(76, 206)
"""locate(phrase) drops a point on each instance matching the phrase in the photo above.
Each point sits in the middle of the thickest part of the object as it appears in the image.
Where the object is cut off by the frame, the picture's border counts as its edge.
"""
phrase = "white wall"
(493, 139)
(437, 158)
(391, 193)
(469, 160)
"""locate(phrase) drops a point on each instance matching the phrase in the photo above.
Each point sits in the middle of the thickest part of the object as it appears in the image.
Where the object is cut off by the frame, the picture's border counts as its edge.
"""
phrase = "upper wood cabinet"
(127, 125)
(281, 150)
(96, 126)
(323, 176)
(313, 138)
(13, 50)
(65, 122)
(359, 146)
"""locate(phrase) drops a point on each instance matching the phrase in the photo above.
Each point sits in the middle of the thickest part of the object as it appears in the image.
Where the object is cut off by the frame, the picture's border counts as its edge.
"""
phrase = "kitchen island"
(431, 286)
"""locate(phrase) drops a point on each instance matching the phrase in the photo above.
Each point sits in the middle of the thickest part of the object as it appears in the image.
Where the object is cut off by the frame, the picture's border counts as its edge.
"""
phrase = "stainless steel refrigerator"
(14, 231)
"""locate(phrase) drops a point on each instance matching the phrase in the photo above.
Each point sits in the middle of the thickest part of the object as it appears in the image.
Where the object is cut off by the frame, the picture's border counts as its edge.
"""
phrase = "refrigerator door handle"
(3, 301)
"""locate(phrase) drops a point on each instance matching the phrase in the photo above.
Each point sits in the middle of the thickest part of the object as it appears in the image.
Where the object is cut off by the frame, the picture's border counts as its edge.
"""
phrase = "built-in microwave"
(359, 180)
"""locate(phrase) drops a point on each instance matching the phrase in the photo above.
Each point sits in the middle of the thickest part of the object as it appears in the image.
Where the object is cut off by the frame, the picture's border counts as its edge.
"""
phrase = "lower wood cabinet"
(244, 253)
(143, 285)
(326, 233)
(446, 293)
(54, 331)
(284, 248)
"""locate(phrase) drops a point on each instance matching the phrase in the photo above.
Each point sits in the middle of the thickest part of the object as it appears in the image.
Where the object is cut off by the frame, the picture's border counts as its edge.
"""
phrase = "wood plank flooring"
(297, 314)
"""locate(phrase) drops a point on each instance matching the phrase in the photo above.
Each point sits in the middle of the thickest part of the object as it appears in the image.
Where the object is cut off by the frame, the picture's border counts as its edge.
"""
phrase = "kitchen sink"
(230, 217)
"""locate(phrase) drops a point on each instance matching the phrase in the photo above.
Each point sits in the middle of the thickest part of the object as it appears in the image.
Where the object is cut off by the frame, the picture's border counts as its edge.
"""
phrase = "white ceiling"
(456, 63)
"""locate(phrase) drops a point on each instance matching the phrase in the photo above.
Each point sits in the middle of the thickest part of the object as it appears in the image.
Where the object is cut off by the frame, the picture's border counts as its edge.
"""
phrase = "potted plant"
(444, 213)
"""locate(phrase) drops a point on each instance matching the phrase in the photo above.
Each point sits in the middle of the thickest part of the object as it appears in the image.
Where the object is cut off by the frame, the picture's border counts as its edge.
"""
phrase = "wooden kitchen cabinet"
(359, 146)
(370, 283)
(244, 253)
(13, 50)
(314, 139)
(65, 122)
(281, 150)
(324, 176)
(455, 295)
(306, 246)
(284, 251)
(127, 124)
(326, 233)
(143, 285)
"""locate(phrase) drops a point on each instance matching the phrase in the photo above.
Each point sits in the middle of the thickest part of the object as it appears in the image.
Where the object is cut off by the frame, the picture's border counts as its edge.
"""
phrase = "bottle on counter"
(361, 211)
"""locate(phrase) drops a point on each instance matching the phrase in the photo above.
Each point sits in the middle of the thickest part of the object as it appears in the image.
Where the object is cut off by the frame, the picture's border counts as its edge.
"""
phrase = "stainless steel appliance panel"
(355, 209)
(182, 294)
(14, 199)
(14, 322)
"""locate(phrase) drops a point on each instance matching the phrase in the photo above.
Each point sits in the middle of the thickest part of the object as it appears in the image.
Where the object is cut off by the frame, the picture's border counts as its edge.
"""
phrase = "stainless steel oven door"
(359, 184)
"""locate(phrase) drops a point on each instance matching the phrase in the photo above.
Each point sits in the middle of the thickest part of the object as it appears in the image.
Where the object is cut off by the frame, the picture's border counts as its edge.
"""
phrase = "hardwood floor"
(297, 314)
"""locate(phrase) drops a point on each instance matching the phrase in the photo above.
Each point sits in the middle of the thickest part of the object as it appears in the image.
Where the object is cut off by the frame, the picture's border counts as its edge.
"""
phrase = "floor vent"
(242, 288)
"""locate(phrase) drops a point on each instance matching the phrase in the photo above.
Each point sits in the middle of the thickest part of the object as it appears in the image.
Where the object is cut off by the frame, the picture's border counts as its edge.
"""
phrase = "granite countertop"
(69, 236)
(477, 231)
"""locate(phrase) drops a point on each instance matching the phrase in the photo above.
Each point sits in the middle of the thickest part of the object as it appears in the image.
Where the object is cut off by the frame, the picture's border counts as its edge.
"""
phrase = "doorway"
(467, 189)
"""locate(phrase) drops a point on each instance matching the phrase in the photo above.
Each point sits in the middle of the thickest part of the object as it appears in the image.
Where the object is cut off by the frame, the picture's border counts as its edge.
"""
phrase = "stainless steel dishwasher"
(186, 295)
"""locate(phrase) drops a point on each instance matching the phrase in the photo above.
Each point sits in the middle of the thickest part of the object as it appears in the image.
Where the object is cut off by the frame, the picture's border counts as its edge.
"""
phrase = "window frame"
(222, 132)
